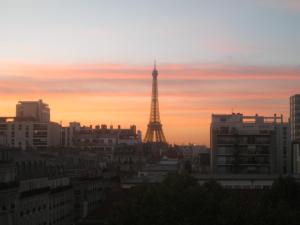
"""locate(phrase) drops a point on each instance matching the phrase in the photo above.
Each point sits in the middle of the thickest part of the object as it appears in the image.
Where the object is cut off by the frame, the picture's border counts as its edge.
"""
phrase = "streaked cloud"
(189, 94)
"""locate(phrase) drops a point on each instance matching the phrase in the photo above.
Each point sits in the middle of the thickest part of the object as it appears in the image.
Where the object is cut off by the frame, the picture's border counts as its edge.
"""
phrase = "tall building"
(31, 128)
(33, 110)
(295, 131)
(154, 133)
(250, 144)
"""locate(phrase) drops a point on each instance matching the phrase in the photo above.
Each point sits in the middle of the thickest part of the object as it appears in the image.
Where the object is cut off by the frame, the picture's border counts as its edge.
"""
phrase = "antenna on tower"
(154, 64)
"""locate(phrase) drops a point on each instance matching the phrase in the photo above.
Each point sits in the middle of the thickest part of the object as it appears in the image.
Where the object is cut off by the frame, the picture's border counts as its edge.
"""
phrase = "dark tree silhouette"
(180, 200)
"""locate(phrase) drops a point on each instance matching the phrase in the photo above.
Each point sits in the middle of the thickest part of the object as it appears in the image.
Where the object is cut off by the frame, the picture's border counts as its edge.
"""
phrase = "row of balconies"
(243, 160)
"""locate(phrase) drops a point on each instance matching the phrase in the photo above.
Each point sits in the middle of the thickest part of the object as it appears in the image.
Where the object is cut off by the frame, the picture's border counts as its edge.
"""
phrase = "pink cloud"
(188, 93)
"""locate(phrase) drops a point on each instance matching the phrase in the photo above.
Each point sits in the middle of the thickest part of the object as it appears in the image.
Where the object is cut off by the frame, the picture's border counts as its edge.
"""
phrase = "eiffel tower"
(154, 133)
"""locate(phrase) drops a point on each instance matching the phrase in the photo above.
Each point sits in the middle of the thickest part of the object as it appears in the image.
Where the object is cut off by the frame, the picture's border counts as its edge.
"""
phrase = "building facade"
(250, 145)
(8, 190)
(38, 188)
(26, 135)
(101, 139)
(295, 131)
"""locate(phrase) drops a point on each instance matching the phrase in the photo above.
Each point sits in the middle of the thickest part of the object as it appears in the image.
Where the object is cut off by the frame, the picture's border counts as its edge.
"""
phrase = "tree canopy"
(180, 200)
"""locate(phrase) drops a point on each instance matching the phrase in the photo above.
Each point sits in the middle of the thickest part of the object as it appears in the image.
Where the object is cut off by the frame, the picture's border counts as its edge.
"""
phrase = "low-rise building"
(99, 138)
(152, 173)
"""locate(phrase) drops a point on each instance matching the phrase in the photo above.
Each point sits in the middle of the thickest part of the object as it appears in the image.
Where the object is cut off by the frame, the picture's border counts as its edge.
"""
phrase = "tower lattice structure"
(154, 132)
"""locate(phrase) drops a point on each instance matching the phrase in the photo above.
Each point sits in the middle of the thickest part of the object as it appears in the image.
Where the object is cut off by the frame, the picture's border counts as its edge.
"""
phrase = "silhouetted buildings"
(250, 145)
(246, 152)
(32, 129)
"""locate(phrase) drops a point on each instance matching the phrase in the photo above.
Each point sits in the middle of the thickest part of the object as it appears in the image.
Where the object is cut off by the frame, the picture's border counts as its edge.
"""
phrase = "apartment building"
(250, 145)
(295, 131)
(16, 133)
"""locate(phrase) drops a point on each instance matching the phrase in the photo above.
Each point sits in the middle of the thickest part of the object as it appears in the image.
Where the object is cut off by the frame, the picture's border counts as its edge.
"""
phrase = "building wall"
(29, 135)
(101, 139)
(61, 201)
(89, 193)
(36, 188)
(295, 117)
(33, 208)
(8, 197)
(244, 144)
(295, 131)
(8, 190)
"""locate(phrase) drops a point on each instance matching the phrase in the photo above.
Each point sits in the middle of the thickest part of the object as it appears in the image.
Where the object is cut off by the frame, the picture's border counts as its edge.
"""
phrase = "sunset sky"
(91, 61)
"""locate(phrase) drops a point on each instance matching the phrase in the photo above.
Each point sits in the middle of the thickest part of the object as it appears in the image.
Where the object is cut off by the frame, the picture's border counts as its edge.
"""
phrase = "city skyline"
(92, 62)
(149, 112)
(199, 105)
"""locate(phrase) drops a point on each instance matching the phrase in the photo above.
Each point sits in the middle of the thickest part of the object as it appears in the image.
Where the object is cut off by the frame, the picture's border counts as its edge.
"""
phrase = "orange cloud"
(120, 94)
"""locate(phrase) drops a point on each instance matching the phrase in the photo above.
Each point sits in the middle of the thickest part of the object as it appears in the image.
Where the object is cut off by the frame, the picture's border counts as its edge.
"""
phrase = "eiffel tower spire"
(154, 132)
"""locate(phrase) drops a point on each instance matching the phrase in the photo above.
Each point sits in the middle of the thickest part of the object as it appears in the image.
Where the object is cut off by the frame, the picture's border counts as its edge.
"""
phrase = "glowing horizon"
(120, 94)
